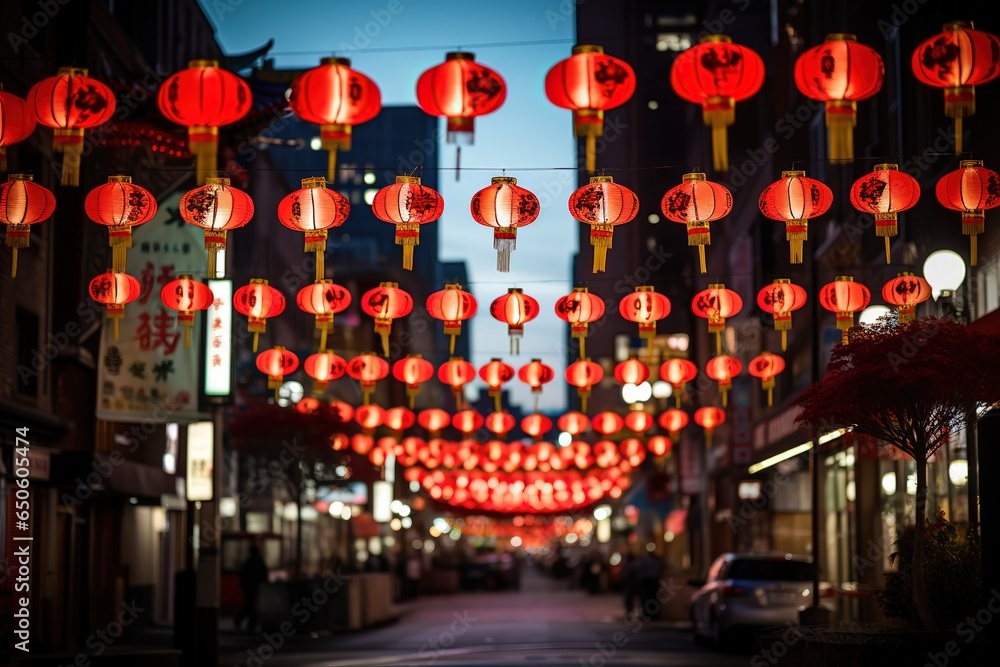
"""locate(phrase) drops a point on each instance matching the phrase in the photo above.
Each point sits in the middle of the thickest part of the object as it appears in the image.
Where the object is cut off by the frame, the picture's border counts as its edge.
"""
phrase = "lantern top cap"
(719, 286)
(844, 279)
(217, 181)
(958, 25)
(324, 281)
(693, 176)
(202, 64)
(335, 60)
(795, 173)
(966, 164)
(455, 286)
(904, 274)
(20, 177)
(258, 281)
(72, 71)
(886, 167)
(388, 284)
(841, 37)
(515, 290)
(587, 48)
(314, 182)
(645, 288)
(601, 179)
(782, 281)
(119, 179)
(185, 276)
(580, 289)
(408, 179)
(716, 39)
(460, 55)
(504, 180)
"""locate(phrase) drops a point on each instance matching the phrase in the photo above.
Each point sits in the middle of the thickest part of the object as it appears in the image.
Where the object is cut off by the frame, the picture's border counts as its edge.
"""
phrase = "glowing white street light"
(945, 271)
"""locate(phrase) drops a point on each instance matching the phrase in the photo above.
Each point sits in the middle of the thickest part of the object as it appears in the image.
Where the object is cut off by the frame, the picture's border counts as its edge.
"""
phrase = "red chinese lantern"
(678, 372)
(495, 374)
(631, 371)
(120, 206)
(638, 420)
(412, 371)
(500, 423)
(696, 202)
(367, 369)
(407, 204)
(467, 422)
(603, 204)
(258, 301)
(673, 421)
(203, 98)
(314, 209)
(433, 420)
(17, 122)
(535, 374)
(794, 199)
(385, 303)
(646, 307)
(536, 425)
(114, 290)
(840, 72)
(971, 189)
(187, 296)
(336, 98)
(580, 308)
(452, 305)
(780, 298)
(589, 83)
(342, 410)
(276, 363)
(607, 423)
(323, 367)
(216, 207)
(504, 206)
(71, 102)
(514, 309)
(905, 291)
(723, 369)
(369, 417)
(957, 60)
(324, 299)
(766, 366)
(23, 203)
(885, 193)
(659, 445)
(308, 405)
(716, 304)
(456, 373)
(584, 374)
(709, 418)
(399, 419)
(844, 297)
(717, 74)
(573, 423)
(362, 443)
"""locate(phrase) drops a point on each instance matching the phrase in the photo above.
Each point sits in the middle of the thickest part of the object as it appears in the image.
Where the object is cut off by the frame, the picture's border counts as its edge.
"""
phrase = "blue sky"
(527, 136)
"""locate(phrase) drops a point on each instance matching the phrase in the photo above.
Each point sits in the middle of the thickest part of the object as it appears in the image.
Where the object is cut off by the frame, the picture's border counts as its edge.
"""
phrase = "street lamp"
(871, 314)
(632, 393)
(945, 271)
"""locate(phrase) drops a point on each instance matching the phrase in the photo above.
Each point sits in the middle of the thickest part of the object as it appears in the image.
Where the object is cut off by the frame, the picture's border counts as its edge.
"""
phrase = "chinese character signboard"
(218, 340)
(200, 460)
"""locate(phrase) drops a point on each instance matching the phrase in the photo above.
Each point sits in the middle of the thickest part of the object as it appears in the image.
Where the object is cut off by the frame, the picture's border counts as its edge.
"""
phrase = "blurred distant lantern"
(187, 296)
(203, 98)
(780, 298)
(723, 369)
(495, 374)
(385, 303)
(456, 373)
(114, 290)
(336, 98)
(119, 205)
(500, 423)
(258, 301)
(362, 443)
(579, 308)
(839, 72)
(535, 374)
(673, 420)
(716, 304)
(314, 209)
(971, 189)
(607, 423)
(631, 371)
(573, 423)
(17, 122)
(659, 445)
(844, 297)
(514, 309)
(399, 419)
(885, 193)
(309, 405)
(536, 425)
(603, 204)
(324, 299)
(407, 204)
(341, 410)
(324, 367)
(276, 363)
(678, 372)
(23, 203)
(367, 368)
(452, 305)
(696, 202)
(905, 291)
(433, 420)
(646, 307)
(467, 422)
(709, 418)
(369, 417)
(71, 102)
(766, 366)
(794, 199)
(413, 370)
(638, 420)
(216, 207)
(584, 374)
(633, 451)
(717, 74)
(957, 60)
(504, 206)
(589, 83)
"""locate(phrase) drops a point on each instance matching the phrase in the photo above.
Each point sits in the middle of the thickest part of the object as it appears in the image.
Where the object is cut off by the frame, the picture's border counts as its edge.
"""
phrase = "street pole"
(209, 566)
(972, 430)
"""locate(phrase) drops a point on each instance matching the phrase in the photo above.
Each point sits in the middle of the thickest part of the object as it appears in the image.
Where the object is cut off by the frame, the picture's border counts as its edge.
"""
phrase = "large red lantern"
(603, 204)
(638, 420)
(433, 420)
(216, 207)
(573, 423)
(844, 297)
(723, 369)
(323, 367)
(120, 205)
(514, 309)
(17, 122)
(659, 445)
(589, 83)
(840, 72)
(957, 60)
(314, 209)
(413, 370)
(71, 102)
(187, 296)
(367, 369)
(276, 363)
(885, 192)
(456, 373)
(780, 298)
(607, 423)
(114, 290)
(905, 291)
(399, 419)
(696, 202)
(407, 204)
(336, 98)
(673, 420)
(536, 425)
(646, 307)
(715, 304)
(369, 418)
(580, 308)
(500, 423)
(971, 189)
(385, 303)
(678, 372)
(23, 203)
(535, 374)
(203, 98)
(324, 299)
(709, 418)
(717, 74)
(631, 371)
(766, 366)
(467, 422)
(504, 206)
(342, 410)
(584, 374)
(258, 301)
(452, 305)
(794, 199)
(495, 374)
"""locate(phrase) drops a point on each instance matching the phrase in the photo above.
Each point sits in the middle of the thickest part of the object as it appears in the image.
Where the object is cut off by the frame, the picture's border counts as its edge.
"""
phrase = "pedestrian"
(252, 575)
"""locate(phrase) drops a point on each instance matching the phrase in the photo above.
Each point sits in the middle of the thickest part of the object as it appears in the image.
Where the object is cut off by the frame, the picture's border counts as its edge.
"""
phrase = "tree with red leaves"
(911, 385)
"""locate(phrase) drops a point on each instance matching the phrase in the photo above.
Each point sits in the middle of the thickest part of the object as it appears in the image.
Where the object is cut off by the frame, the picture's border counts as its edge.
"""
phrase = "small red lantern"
(324, 299)
(659, 445)
(187, 296)
(717, 74)
(536, 425)
(716, 304)
(696, 202)
(673, 420)
(314, 209)
(971, 189)
(580, 308)
(120, 206)
(17, 122)
(342, 410)
(23, 203)
(885, 193)
(452, 305)
(632, 371)
(678, 372)
(905, 291)
(957, 60)
(323, 367)
(369, 417)
(500, 423)
(308, 405)
(766, 366)
(514, 309)
(367, 369)
(709, 418)
(607, 423)
(413, 371)
(467, 422)
(258, 301)
(603, 205)
(362, 443)
(638, 420)
(646, 307)
(584, 374)
(589, 82)
(69, 103)
(114, 290)
(407, 204)
(495, 374)
(433, 420)
(573, 423)
(399, 419)
(723, 369)
(216, 207)
(504, 206)
(203, 98)
(276, 363)
(780, 298)
(535, 374)
(456, 373)
(840, 72)
(336, 98)
(794, 199)
(844, 297)
(385, 303)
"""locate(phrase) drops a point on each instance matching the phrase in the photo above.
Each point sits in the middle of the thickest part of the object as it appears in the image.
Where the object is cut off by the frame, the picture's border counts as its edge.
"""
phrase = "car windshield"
(771, 570)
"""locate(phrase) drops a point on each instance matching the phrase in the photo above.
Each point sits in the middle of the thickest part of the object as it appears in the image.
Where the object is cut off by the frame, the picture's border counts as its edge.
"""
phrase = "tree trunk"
(921, 600)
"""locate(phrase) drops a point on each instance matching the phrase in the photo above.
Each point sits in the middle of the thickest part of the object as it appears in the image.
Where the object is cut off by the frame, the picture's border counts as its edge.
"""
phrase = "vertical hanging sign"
(219, 340)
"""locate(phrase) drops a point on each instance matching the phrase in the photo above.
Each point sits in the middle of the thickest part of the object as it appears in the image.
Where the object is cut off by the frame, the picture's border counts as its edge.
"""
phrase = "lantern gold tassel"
(495, 393)
(719, 114)
(504, 241)
(973, 223)
(700, 235)
(796, 232)
(204, 145)
(382, 328)
(725, 396)
(589, 123)
(887, 226)
(215, 240)
(120, 241)
(69, 142)
(769, 385)
(958, 102)
(322, 339)
(583, 393)
(600, 238)
(3, 160)
(841, 117)
(408, 236)
(411, 393)
(256, 335)
(18, 236)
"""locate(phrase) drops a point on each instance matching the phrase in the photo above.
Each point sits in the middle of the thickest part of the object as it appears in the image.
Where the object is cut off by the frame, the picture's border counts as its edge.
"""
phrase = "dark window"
(771, 570)
(27, 348)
